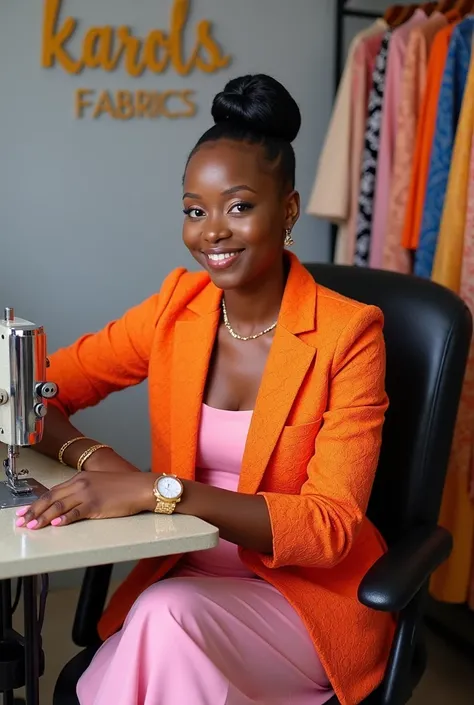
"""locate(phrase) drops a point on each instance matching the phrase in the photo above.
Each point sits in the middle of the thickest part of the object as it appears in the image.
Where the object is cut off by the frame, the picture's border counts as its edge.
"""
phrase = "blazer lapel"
(192, 349)
(288, 363)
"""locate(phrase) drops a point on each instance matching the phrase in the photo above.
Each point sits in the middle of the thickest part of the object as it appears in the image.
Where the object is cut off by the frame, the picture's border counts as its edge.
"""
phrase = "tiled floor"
(448, 681)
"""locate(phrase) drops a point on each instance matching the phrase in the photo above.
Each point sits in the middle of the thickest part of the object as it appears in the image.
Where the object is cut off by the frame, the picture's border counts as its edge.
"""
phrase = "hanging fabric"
(424, 139)
(449, 107)
(338, 171)
(370, 156)
(412, 91)
(451, 583)
(396, 60)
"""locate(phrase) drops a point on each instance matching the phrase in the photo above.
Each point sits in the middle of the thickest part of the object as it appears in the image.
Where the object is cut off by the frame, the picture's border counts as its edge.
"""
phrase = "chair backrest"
(427, 331)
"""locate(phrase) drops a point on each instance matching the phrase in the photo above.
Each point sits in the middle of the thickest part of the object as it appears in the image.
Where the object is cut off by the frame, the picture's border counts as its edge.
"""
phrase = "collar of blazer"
(288, 362)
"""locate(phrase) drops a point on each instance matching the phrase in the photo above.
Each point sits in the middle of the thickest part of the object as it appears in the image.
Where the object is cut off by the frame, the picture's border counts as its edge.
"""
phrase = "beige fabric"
(331, 194)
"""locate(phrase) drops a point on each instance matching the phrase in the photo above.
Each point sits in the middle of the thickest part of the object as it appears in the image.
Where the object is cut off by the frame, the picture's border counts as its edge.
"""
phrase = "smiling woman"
(238, 207)
(267, 402)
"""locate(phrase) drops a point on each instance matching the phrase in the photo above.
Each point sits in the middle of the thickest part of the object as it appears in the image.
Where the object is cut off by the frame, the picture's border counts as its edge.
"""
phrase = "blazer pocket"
(293, 451)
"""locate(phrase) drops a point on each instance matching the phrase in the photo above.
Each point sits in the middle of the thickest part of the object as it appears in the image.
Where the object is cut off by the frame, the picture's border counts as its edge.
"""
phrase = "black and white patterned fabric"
(370, 156)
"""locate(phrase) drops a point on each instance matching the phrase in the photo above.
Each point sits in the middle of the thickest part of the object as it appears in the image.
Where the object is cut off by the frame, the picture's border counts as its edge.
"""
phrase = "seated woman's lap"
(235, 640)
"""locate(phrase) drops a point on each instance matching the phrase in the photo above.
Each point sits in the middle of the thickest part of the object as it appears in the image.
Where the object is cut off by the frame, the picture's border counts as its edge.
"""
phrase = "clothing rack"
(454, 622)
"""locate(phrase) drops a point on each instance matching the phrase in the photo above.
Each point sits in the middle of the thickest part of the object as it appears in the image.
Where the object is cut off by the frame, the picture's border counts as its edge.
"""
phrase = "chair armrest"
(90, 606)
(395, 579)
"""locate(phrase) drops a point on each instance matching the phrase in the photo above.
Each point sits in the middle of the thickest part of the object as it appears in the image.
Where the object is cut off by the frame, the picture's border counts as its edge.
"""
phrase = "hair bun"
(260, 104)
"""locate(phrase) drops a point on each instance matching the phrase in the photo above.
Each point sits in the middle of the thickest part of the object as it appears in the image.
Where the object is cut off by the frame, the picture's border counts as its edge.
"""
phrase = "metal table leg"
(32, 639)
(6, 625)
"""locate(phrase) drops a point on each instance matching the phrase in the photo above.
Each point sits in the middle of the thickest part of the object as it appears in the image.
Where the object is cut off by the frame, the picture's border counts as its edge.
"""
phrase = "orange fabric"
(312, 447)
(424, 139)
(413, 84)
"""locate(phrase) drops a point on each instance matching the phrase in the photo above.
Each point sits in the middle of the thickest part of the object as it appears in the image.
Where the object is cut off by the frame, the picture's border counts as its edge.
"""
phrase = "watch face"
(169, 487)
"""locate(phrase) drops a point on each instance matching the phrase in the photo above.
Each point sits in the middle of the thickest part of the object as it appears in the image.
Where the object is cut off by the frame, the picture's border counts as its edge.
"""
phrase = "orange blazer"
(312, 448)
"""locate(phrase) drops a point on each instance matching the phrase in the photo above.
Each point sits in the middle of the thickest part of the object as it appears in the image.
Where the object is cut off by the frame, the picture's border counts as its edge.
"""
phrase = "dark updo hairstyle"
(258, 110)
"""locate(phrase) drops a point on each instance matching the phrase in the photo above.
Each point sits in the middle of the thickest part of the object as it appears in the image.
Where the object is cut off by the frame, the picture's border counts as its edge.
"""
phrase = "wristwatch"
(168, 490)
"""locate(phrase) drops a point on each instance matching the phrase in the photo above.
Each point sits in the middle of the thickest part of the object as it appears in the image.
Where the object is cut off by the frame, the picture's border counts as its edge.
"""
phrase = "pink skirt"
(204, 640)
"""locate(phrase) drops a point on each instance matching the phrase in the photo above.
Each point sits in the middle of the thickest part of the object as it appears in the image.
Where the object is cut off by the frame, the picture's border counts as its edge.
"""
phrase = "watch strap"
(164, 507)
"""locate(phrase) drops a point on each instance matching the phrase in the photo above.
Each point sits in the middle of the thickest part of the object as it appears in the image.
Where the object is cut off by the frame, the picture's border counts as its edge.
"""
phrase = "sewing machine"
(23, 403)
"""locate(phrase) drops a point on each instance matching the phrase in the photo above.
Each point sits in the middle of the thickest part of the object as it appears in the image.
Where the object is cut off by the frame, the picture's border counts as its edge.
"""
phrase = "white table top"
(88, 543)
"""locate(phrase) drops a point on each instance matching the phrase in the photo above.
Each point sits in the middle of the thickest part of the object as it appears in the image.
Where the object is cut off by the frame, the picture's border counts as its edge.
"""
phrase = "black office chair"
(427, 331)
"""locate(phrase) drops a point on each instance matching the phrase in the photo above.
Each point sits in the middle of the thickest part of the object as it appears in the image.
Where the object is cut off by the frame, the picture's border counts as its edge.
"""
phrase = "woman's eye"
(241, 207)
(194, 213)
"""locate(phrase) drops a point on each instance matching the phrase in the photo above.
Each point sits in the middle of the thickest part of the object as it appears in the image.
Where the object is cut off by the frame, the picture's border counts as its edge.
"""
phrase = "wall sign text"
(109, 48)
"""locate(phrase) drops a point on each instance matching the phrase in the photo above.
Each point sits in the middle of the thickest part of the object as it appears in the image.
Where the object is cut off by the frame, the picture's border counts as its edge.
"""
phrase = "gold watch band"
(164, 507)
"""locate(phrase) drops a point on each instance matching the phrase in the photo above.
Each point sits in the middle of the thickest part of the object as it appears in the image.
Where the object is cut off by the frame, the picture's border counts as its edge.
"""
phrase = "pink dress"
(212, 633)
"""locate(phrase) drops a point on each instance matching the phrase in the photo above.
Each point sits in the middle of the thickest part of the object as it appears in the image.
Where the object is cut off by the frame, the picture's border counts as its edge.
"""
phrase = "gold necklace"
(244, 337)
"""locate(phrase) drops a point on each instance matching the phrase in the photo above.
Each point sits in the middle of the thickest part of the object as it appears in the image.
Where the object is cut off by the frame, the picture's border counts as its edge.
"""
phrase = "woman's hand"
(91, 495)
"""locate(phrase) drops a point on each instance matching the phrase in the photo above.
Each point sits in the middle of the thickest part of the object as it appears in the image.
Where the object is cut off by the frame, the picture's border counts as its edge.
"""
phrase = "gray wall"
(90, 211)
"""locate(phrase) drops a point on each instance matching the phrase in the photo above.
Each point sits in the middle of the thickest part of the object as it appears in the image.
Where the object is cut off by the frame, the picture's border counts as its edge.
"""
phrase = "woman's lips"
(222, 261)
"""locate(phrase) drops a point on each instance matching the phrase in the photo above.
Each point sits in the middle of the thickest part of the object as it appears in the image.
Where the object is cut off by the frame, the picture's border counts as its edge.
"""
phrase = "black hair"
(258, 110)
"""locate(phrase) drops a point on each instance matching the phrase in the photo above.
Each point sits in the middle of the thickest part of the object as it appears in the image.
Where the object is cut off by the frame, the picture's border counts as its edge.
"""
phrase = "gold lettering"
(191, 106)
(54, 41)
(217, 60)
(104, 105)
(97, 50)
(143, 104)
(132, 47)
(179, 16)
(105, 47)
(125, 107)
(81, 102)
(156, 105)
(156, 53)
(167, 95)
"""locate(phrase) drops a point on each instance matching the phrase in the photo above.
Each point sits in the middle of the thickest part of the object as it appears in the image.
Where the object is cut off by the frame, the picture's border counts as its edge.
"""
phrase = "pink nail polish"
(56, 522)
(21, 512)
(32, 524)
(20, 522)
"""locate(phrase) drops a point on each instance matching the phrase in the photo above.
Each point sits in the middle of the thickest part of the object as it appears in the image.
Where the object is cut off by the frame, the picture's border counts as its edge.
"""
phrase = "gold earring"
(288, 242)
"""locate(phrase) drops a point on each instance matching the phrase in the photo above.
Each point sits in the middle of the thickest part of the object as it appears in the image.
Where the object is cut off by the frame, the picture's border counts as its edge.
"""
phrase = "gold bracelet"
(64, 447)
(87, 454)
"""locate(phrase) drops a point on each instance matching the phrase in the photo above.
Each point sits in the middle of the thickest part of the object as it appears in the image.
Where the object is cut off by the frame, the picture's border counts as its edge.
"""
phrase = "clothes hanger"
(445, 6)
(464, 7)
(392, 13)
(405, 13)
(428, 7)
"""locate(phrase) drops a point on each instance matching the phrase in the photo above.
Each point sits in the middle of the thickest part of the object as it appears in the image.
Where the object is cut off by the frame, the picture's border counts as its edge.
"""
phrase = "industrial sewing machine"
(23, 405)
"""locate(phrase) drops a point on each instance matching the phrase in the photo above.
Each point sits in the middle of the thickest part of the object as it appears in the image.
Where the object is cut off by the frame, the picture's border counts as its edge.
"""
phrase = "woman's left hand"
(96, 495)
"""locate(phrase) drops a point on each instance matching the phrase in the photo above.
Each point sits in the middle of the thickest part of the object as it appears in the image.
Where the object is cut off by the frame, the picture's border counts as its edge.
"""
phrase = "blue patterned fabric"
(449, 109)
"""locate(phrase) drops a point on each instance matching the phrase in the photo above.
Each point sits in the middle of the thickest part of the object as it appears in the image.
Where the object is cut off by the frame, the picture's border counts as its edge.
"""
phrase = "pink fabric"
(392, 95)
(362, 70)
(212, 633)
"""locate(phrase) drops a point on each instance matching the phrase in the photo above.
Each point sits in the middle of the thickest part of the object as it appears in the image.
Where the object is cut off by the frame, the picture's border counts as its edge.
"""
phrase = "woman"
(260, 381)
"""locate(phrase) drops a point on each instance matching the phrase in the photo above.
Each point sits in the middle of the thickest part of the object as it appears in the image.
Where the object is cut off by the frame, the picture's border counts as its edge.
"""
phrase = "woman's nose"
(215, 234)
